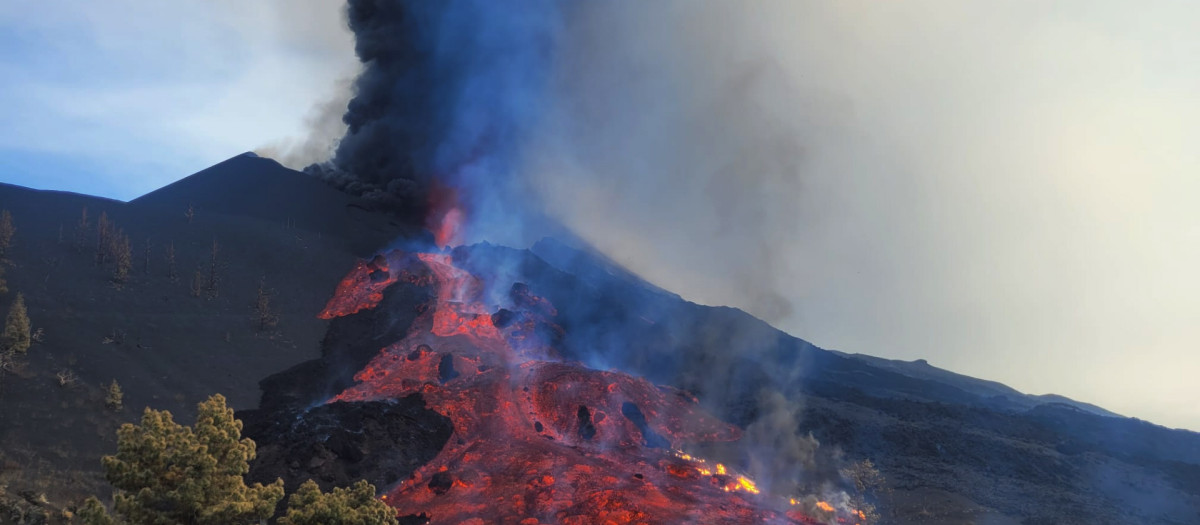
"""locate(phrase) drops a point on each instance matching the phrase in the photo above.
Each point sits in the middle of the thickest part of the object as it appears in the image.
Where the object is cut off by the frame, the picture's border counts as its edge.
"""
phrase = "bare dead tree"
(146, 258)
(211, 287)
(264, 315)
(7, 230)
(82, 230)
(172, 274)
(104, 236)
(122, 257)
(66, 378)
(198, 283)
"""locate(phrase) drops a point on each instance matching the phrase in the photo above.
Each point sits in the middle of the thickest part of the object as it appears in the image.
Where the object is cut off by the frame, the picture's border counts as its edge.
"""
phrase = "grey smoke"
(1000, 188)
(1003, 189)
(323, 131)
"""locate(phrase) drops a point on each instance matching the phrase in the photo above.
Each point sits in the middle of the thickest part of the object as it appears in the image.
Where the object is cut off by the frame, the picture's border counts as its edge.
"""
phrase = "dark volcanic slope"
(167, 348)
(251, 186)
(955, 449)
(999, 394)
(952, 455)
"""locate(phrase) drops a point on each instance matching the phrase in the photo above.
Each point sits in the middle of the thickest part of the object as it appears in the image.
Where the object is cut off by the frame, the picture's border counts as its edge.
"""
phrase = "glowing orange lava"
(536, 439)
(362, 288)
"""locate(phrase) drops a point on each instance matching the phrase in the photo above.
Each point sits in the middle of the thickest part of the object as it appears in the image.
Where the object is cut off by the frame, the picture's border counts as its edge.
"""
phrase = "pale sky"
(1010, 190)
(120, 97)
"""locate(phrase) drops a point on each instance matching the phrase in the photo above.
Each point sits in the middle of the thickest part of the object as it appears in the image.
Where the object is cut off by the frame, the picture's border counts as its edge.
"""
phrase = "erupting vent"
(536, 439)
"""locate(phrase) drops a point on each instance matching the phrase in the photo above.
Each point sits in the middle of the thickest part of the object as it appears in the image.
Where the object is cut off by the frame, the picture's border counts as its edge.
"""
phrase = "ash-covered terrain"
(315, 395)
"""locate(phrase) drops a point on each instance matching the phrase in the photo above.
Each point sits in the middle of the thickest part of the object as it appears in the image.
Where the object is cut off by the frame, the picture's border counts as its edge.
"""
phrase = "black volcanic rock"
(349, 344)
(340, 443)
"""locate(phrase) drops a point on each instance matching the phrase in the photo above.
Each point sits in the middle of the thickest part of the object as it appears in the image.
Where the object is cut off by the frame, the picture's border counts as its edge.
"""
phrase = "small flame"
(825, 506)
(747, 485)
(738, 483)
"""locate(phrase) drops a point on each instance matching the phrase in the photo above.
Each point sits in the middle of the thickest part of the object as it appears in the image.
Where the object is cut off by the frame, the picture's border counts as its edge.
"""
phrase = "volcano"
(336, 398)
(537, 438)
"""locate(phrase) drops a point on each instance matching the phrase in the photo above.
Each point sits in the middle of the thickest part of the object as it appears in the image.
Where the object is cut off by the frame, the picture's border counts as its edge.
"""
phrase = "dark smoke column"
(448, 92)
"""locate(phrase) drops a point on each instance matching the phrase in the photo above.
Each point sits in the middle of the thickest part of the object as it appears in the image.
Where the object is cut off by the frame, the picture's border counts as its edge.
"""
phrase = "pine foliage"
(167, 473)
(355, 505)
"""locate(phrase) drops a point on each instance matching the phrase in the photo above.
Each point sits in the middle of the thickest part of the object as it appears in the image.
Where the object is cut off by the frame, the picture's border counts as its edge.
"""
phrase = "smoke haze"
(1004, 189)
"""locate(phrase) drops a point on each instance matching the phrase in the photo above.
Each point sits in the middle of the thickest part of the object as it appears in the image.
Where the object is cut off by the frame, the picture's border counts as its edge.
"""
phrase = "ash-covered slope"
(167, 344)
(251, 186)
(951, 455)
(996, 394)
(952, 451)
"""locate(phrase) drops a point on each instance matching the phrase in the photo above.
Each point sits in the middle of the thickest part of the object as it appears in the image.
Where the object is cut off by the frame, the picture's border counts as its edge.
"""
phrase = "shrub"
(114, 397)
(93, 513)
(355, 505)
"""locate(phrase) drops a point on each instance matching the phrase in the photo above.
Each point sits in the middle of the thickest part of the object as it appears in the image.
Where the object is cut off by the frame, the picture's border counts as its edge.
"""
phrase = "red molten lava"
(445, 218)
(535, 439)
(362, 288)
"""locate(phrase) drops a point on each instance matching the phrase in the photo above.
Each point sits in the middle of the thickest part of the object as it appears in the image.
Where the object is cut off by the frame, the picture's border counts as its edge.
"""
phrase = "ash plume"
(447, 94)
(647, 129)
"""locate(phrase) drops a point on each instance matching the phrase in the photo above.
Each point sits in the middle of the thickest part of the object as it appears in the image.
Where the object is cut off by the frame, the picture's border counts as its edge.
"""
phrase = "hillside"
(166, 347)
(250, 186)
(997, 394)
(954, 449)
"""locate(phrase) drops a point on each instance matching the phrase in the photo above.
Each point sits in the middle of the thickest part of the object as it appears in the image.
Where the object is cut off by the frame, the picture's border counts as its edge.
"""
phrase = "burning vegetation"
(537, 439)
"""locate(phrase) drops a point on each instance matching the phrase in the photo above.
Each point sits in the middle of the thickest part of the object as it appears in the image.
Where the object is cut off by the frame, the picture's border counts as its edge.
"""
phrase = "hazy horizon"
(1005, 190)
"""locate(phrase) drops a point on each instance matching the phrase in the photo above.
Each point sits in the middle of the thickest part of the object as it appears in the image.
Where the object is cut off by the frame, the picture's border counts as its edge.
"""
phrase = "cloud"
(186, 84)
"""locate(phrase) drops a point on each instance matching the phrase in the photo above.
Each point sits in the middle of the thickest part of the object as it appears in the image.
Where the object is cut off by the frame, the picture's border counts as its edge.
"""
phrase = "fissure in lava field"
(537, 439)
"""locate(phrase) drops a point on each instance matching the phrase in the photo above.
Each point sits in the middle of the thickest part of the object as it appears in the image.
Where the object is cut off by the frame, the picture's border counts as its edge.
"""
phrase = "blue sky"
(118, 98)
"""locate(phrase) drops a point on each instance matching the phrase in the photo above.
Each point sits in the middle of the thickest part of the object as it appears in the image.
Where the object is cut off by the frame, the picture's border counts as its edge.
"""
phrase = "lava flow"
(536, 439)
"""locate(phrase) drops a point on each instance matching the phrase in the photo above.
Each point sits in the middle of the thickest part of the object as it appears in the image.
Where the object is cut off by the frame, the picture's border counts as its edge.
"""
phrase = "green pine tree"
(17, 336)
(166, 473)
(355, 505)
